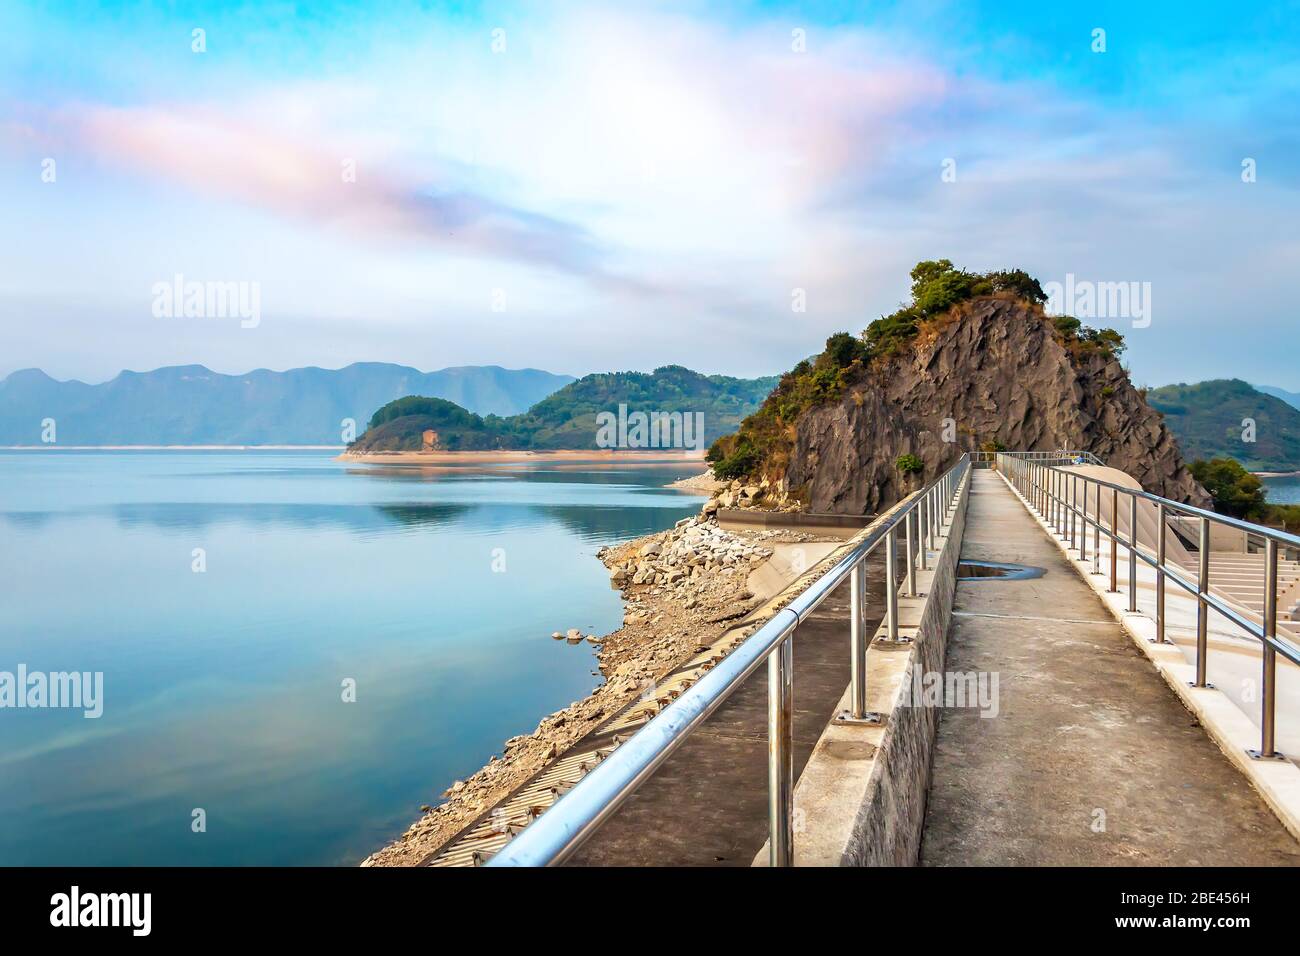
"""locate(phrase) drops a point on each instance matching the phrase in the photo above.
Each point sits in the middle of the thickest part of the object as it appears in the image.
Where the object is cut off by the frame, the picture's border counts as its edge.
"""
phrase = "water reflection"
(222, 688)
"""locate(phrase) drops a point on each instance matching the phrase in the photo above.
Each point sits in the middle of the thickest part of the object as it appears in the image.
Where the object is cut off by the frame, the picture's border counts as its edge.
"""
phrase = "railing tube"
(1083, 524)
(1074, 508)
(1053, 505)
(1114, 540)
(1161, 518)
(922, 552)
(858, 641)
(1268, 701)
(1202, 606)
(1060, 504)
(891, 584)
(1096, 535)
(780, 753)
(1133, 554)
(911, 555)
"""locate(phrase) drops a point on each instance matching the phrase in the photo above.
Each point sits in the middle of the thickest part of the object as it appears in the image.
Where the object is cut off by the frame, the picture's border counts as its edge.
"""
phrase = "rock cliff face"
(996, 372)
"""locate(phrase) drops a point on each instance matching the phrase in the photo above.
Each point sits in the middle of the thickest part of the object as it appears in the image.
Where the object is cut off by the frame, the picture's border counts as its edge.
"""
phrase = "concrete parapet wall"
(887, 827)
(860, 800)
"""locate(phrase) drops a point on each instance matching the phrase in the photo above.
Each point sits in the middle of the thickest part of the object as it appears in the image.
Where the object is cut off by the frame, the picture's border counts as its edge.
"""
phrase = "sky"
(593, 187)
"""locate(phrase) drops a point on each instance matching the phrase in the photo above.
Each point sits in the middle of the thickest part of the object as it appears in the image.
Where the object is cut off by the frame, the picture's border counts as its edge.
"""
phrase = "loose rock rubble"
(764, 495)
(683, 589)
(690, 551)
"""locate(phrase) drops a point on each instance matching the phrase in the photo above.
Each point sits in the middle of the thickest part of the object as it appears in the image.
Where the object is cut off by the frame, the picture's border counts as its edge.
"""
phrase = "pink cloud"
(219, 156)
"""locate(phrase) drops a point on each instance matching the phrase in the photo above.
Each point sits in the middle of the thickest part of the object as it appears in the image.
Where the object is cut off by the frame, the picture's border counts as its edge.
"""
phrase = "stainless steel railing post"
(1077, 526)
(1083, 524)
(780, 753)
(934, 518)
(1268, 701)
(1068, 494)
(1052, 500)
(891, 584)
(1074, 510)
(922, 545)
(1063, 525)
(1096, 534)
(1202, 607)
(1114, 540)
(1133, 554)
(1047, 496)
(911, 555)
(1060, 503)
(1161, 518)
(858, 640)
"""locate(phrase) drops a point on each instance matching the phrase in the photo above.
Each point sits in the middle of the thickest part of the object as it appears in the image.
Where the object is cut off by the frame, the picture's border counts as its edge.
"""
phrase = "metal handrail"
(1055, 493)
(560, 831)
(1063, 455)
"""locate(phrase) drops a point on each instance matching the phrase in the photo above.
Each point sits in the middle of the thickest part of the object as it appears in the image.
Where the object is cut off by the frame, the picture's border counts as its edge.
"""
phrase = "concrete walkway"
(1091, 759)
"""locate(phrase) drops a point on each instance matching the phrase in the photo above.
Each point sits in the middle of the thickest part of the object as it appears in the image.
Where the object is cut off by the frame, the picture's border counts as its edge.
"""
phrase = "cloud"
(222, 157)
(658, 177)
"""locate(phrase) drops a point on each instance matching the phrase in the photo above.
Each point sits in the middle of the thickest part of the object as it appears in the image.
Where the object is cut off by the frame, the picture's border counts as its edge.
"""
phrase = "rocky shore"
(683, 589)
(703, 484)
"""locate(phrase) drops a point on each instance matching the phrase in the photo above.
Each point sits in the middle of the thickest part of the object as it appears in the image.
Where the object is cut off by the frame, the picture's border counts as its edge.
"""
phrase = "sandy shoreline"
(607, 456)
(1277, 474)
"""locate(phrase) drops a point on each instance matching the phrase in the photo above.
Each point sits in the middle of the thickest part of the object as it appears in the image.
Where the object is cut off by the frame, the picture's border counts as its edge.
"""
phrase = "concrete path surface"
(1090, 759)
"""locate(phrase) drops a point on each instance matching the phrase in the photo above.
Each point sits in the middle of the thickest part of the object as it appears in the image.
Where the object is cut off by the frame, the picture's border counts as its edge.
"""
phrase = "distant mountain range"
(571, 417)
(192, 405)
(1291, 398)
(1207, 420)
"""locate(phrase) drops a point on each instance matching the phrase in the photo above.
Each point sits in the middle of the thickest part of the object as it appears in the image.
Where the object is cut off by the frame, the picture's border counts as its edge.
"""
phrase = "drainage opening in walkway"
(996, 571)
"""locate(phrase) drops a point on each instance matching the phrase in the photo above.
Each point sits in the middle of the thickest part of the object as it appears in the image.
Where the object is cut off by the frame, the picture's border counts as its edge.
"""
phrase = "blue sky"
(590, 187)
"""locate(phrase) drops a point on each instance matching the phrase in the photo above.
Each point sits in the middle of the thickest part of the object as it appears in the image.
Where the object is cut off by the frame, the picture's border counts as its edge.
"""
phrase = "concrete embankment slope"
(707, 804)
(860, 800)
(1091, 758)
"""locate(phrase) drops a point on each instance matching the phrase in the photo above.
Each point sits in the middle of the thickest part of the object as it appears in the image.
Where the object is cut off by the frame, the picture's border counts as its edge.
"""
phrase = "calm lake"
(435, 591)
(1283, 491)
